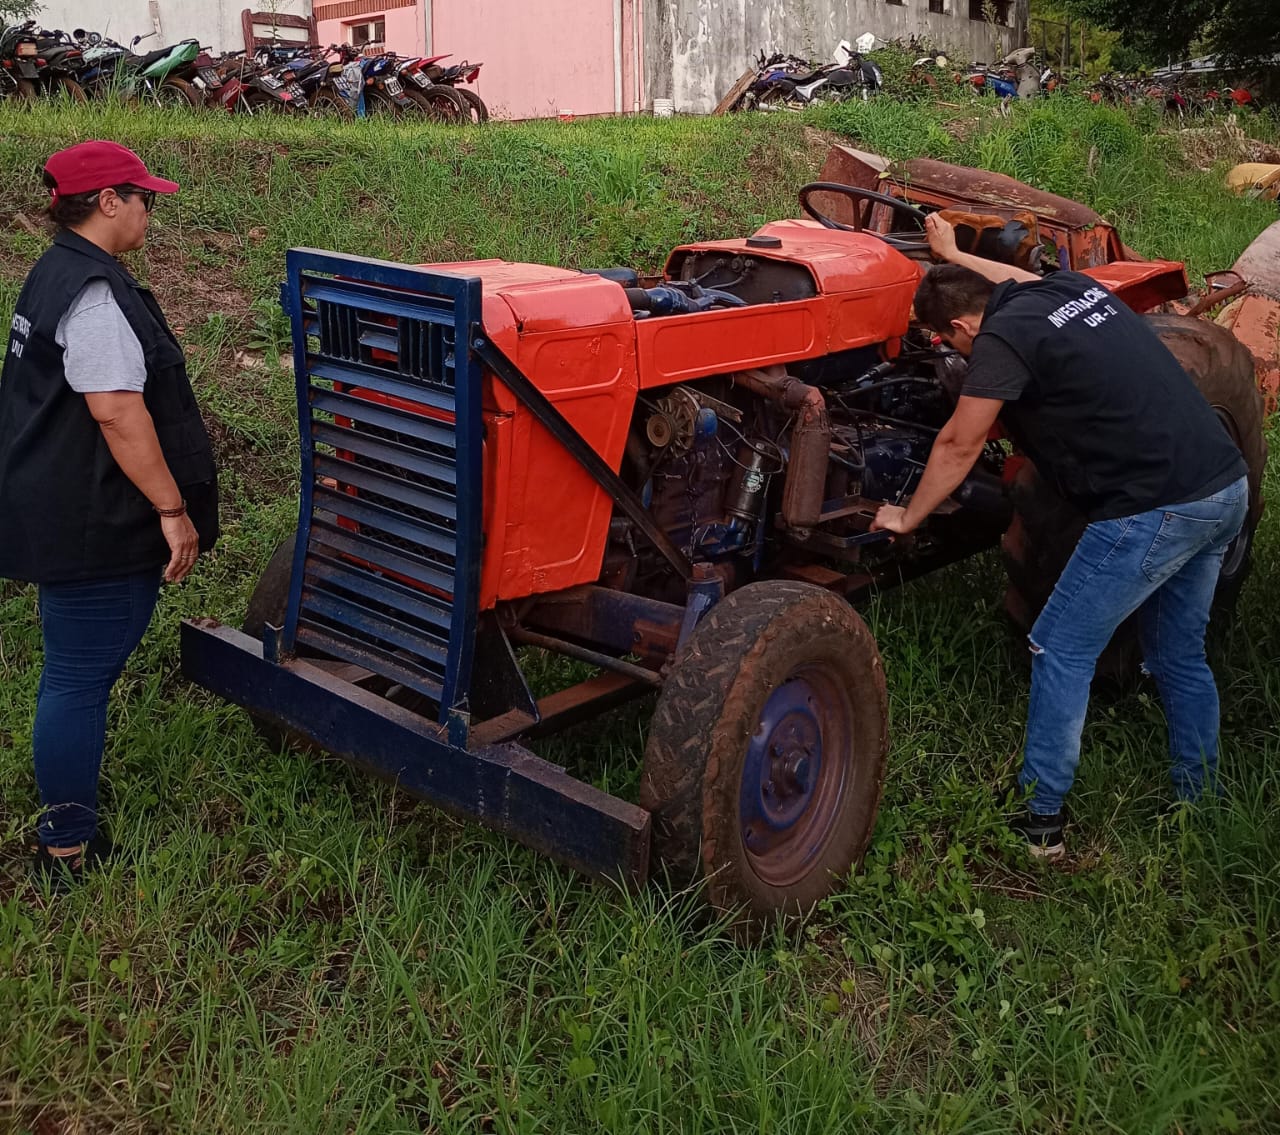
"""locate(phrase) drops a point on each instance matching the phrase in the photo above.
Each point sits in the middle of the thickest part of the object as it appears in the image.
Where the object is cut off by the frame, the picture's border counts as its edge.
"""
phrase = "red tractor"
(672, 484)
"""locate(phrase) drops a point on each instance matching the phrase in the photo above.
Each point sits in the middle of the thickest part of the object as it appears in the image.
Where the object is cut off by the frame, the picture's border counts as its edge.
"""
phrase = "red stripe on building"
(349, 8)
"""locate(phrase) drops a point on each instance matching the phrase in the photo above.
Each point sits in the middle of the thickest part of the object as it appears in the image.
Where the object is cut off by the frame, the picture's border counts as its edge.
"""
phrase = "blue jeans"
(1163, 564)
(90, 629)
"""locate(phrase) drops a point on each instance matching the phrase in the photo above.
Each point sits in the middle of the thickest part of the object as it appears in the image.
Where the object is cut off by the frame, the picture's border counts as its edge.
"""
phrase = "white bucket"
(663, 108)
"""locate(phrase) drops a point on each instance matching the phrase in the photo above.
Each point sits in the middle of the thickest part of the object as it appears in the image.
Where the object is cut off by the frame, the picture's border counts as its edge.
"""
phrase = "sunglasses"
(148, 195)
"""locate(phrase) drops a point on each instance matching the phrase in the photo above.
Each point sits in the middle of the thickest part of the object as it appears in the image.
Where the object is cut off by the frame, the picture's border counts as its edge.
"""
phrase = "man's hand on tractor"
(954, 452)
(892, 518)
(942, 237)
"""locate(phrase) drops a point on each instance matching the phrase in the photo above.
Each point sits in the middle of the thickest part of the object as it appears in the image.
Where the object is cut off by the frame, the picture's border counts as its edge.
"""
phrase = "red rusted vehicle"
(670, 487)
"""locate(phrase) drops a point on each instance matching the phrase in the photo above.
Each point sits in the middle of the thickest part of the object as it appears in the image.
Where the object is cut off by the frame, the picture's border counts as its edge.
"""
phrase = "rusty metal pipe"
(806, 480)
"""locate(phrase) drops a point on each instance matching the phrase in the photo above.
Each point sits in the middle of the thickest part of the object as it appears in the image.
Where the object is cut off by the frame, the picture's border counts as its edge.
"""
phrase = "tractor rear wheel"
(1045, 527)
(267, 605)
(766, 754)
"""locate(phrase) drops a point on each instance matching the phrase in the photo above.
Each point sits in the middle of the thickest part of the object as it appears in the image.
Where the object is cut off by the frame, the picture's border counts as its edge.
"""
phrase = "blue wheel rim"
(794, 775)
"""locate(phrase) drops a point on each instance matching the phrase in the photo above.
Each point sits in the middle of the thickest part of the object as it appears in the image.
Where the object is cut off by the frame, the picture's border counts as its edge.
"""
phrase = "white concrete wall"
(216, 23)
(695, 50)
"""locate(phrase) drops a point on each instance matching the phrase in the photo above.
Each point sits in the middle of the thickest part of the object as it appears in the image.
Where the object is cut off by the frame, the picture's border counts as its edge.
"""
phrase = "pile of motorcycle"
(1180, 96)
(337, 80)
(1016, 76)
(787, 82)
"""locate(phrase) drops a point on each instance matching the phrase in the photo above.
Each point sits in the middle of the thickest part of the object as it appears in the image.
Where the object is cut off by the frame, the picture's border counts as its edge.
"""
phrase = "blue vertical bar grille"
(386, 567)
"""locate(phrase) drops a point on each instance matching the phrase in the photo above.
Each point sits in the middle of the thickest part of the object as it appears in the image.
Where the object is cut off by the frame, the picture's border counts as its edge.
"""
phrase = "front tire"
(766, 755)
(179, 94)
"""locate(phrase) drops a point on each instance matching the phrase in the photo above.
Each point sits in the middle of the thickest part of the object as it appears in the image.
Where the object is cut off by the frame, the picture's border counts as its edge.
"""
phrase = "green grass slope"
(289, 947)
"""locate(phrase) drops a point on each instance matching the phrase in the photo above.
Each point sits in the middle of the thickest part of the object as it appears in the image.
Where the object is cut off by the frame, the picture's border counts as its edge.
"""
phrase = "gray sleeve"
(995, 371)
(100, 351)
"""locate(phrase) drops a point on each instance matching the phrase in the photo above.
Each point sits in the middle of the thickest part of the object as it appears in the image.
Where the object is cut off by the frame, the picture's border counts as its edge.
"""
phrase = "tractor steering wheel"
(864, 198)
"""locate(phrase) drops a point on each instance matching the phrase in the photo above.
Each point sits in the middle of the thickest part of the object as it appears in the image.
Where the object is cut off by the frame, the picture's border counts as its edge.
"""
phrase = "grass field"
(289, 947)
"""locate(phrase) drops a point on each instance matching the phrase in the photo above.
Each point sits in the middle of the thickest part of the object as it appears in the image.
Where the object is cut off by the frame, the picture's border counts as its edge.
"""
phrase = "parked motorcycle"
(19, 72)
(439, 100)
(196, 83)
(272, 88)
(452, 78)
(383, 91)
(112, 70)
(59, 63)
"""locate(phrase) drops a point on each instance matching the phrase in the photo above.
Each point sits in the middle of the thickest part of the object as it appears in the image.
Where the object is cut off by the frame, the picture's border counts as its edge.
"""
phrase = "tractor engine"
(724, 462)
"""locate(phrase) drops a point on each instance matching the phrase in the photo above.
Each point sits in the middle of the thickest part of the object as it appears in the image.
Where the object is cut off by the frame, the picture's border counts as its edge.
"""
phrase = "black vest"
(1109, 417)
(67, 511)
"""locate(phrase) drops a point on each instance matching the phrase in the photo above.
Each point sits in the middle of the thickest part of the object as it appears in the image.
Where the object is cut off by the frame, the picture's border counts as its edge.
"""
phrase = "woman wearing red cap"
(107, 481)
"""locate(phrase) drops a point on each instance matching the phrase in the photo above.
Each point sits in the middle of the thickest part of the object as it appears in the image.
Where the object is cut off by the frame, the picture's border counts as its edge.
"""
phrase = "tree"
(1238, 31)
(11, 11)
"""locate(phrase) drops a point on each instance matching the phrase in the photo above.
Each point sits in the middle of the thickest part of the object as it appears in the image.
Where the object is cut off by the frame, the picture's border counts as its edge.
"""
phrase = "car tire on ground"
(766, 753)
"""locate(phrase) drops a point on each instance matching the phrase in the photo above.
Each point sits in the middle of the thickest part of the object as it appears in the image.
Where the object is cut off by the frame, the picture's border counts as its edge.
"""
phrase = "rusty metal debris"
(1083, 239)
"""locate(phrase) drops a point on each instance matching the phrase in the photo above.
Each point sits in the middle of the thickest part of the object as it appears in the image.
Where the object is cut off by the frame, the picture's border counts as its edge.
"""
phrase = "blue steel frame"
(340, 584)
(325, 295)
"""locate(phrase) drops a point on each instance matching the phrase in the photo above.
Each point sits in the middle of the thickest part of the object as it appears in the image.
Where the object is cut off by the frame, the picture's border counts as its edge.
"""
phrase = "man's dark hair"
(65, 212)
(949, 291)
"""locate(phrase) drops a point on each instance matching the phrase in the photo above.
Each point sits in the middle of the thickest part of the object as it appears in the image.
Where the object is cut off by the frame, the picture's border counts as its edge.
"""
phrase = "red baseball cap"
(87, 166)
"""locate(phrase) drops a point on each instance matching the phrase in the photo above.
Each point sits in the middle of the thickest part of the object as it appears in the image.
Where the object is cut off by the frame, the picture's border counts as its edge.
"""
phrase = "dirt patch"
(817, 143)
(187, 291)
(962, 129)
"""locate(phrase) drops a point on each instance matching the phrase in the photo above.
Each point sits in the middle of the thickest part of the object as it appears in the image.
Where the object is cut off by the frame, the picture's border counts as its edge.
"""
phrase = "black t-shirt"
(1096, 400)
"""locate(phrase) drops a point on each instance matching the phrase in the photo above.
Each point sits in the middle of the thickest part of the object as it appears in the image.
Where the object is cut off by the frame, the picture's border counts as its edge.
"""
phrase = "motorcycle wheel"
(441, 104)
(327, 103)
(479, 112)
(379, 102)
(26, 91)
(69, 89)
(178, 93)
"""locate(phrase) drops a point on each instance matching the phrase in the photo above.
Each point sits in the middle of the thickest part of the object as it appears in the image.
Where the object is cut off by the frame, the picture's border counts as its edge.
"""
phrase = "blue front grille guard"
(387, 562)
(386, 568)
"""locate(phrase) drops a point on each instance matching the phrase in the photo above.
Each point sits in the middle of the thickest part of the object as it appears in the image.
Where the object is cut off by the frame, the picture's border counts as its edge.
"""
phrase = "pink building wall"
(405, 29)
(539, 58)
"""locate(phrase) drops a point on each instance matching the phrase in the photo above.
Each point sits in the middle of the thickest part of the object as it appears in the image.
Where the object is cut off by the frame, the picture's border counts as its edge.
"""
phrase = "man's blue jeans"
(90, 629)
(1163, 564)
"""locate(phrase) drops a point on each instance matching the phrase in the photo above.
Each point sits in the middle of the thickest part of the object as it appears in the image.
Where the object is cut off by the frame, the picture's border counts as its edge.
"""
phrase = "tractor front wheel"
(767, 751)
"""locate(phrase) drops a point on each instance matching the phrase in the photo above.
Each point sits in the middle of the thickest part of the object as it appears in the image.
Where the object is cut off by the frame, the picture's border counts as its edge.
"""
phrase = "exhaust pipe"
(806, 480)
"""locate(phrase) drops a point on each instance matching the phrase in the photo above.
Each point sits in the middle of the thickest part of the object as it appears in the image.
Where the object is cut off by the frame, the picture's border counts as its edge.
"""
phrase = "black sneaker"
(60, 873)
(1042, 833)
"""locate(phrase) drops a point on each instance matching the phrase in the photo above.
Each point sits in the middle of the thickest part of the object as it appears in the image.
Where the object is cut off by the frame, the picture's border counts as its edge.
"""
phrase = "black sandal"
(61, 872)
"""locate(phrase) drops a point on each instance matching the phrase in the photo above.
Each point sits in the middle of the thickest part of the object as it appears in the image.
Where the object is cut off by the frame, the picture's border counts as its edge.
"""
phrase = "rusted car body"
(1080, 239)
